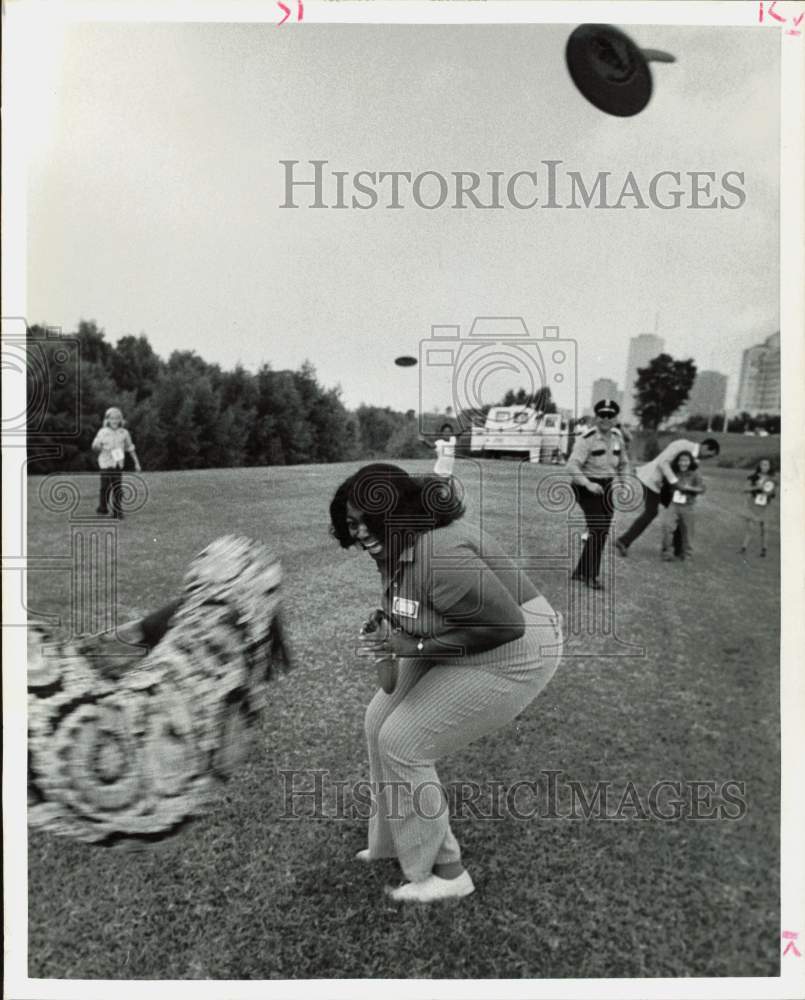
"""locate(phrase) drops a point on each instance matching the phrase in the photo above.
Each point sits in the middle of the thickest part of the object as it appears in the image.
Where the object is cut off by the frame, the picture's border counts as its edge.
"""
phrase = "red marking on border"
(300, 11)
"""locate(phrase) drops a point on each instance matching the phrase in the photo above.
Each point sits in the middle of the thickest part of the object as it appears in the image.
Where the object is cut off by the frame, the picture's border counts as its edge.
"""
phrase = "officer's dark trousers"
(111, 488)
(651, 508)
(598, 513)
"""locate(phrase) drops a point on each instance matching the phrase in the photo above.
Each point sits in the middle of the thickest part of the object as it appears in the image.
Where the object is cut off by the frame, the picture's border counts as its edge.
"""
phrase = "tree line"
(185, 413)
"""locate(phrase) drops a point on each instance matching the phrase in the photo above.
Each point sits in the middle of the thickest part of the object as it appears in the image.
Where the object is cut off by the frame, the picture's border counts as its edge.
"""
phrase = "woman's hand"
(375, 646)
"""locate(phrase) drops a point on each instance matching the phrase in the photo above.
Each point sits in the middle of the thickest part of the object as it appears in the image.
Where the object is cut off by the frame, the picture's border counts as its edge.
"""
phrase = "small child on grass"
(111, 444)
(761, 490)
(678, 516)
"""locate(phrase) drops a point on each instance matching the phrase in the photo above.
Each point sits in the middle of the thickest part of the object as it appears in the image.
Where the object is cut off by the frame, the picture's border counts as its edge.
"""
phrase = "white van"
(521, 430)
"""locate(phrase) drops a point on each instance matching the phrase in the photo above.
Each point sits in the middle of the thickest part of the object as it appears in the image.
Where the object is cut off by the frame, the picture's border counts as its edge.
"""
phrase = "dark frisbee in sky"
(405, 361)
(609, 69)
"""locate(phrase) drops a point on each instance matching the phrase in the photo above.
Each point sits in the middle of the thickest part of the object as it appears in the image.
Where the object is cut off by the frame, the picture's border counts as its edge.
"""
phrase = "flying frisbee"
(405, 361)
(610, 70)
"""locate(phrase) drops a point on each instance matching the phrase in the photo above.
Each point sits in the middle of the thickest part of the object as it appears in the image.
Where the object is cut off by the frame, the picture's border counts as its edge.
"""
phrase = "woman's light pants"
(438, 707)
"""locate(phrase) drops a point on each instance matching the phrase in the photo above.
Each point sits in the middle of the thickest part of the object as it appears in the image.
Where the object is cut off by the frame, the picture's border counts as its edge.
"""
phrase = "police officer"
(598, 455)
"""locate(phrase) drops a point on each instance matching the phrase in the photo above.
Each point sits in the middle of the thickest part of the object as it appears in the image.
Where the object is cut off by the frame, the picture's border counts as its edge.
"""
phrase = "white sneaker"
(433, 888)
(363, 856)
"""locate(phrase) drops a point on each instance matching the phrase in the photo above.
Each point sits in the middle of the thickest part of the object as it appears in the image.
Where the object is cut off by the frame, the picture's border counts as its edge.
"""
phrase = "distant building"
(642, 349)
(605, 388)
(708, 395)
(759, 384)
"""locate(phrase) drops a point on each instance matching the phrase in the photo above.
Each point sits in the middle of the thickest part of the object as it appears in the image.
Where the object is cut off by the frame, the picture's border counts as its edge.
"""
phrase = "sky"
(155, 186)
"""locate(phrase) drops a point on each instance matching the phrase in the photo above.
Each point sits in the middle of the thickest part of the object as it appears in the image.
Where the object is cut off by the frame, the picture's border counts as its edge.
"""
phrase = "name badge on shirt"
(404, 608)
(761, 499)
(680, 497)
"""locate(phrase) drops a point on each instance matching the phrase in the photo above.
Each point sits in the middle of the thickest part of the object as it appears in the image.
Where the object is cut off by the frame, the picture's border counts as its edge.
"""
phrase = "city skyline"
(642, 349)
(759, 382)
(762, 356)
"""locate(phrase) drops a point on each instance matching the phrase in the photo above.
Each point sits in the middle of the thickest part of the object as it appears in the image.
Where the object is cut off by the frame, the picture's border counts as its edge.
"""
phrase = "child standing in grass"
(111, 443)
(679, 513)
(762, 489)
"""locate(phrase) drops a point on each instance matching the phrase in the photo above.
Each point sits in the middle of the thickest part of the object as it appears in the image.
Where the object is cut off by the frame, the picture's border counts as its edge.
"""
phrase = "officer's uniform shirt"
(597, 455)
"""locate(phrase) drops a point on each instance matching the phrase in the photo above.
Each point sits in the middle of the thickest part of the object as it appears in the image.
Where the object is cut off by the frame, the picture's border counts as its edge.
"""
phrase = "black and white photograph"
(403, 499)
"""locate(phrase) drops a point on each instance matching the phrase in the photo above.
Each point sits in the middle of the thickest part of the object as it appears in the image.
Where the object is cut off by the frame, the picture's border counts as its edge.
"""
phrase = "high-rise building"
(708, 395)
(642, 349)
(759, 384)
(605, 388)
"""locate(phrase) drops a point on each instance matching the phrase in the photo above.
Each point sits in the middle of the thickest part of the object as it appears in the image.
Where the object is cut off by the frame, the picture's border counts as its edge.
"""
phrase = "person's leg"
(762, 537)
(450, 707)
(642, 521)
(686, 529)
(679, 535)
(669, 525)
(747, 534)
(600, 526)
(103, 499)
(116, 491)
(593, 507)
(381, 844)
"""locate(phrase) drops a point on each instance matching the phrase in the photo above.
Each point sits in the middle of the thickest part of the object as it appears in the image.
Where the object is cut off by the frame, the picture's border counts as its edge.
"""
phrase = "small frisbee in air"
(610, 70)
(406, 361)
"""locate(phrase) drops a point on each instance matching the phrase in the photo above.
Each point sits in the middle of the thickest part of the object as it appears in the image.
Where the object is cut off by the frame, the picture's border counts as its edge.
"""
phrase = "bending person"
(658, 479)
(472, 643)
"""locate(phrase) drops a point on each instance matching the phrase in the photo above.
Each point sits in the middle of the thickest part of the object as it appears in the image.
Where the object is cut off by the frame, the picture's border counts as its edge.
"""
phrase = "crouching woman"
(470, 644)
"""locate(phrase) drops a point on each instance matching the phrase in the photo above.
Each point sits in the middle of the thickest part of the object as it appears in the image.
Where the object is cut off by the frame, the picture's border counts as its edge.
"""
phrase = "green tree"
(174, 407)
(135, 367)
(94, 348)
(376, 426)
(405, 440)
(332, 430)
(661, 388)
(238, 414)
(542, 399)
(696, 422)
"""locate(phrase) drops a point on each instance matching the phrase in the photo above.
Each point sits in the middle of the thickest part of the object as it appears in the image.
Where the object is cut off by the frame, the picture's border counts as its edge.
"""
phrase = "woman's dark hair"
(754, 476)
(395, 505)
(693, 463)
(712, 444)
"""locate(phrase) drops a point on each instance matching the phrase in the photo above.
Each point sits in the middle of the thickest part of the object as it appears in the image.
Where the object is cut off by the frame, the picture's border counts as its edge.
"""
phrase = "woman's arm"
(470, 611)
(455, 642)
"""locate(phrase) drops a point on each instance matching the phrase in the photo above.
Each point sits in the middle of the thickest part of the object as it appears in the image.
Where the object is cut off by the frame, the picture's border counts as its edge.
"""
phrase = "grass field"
(250, 893)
